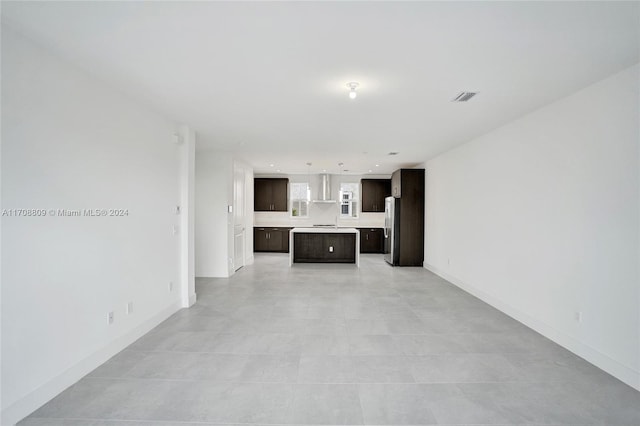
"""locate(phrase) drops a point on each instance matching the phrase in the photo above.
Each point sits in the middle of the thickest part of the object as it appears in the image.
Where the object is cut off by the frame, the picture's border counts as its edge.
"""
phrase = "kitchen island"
(324, 245)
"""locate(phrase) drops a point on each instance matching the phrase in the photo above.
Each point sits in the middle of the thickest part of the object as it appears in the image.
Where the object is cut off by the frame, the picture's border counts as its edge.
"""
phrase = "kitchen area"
(324, 218)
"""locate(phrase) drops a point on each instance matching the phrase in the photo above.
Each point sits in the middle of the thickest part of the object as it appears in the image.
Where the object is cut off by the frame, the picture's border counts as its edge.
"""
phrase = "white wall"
(541, 218)
(214, 223)
(70, 142)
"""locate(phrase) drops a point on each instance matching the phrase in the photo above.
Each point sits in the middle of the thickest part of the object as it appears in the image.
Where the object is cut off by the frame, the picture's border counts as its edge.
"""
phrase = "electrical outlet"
(577, 316)
(129, 308)
(330, 249)
(177, 209)
(448, 261)
(170, 286)
(110, 318)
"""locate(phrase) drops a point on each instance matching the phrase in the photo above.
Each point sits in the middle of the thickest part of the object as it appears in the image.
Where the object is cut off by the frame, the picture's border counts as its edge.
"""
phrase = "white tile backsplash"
(318, 214)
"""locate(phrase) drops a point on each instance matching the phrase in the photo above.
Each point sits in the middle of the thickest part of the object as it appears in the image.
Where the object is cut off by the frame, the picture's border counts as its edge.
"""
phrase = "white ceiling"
(268, 80)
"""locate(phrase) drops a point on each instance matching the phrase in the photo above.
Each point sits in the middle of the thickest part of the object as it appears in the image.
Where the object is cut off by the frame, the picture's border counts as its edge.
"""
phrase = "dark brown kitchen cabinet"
(374, 191)
(271, 239)
(396, 183)
(371, 240)
(270, 194)
(324, 248)
(405, 245)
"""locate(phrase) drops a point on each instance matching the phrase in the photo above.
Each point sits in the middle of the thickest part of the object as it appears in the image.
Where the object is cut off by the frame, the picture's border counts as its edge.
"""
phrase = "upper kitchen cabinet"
(396, 185)
(270, 194)
(374, 191)
(406, 178)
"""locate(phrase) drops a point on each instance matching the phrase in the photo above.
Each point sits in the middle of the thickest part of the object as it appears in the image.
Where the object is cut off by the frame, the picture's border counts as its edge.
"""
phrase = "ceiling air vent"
(464, 96)
(392, 153)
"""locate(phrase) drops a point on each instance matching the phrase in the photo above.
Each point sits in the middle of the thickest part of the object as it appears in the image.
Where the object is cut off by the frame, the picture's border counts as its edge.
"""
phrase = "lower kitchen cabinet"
(371, 240)
(324, 248)
(271, 239)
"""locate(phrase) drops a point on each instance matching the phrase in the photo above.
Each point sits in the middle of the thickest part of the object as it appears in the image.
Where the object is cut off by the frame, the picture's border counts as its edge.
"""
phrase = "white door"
(238, 250)
(238, 217)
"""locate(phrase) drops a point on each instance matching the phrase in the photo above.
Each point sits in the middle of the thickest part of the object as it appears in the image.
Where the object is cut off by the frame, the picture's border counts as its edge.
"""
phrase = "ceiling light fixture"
(352, 89)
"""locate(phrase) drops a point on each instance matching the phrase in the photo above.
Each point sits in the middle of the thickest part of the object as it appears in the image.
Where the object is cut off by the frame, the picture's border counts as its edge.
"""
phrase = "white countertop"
(327, 230)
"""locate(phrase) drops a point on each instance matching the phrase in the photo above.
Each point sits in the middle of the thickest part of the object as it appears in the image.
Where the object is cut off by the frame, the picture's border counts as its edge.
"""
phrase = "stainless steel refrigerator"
(391, 229)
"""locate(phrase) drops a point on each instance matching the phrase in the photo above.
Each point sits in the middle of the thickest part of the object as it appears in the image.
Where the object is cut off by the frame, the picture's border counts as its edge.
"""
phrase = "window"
(299, 196)
(349, 195)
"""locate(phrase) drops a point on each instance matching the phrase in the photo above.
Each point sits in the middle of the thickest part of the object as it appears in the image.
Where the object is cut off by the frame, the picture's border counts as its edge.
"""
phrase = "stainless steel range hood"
(324, 190)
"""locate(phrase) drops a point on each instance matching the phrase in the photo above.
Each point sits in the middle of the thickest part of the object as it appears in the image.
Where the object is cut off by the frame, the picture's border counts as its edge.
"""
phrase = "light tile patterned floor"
(340, 345)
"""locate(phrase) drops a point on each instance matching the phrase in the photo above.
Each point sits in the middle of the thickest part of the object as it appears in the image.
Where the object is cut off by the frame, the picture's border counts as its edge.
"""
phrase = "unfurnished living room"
(320, 213)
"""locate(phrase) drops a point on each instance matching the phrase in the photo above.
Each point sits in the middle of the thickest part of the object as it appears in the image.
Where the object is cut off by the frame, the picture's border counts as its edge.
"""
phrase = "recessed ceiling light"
(377, 165)
(324, 170)
(270, 165)
(370, 171)
(352, 89)
(278, 170)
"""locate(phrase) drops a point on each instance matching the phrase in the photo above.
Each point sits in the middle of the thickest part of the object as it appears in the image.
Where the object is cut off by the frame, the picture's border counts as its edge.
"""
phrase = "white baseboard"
(604, 362)
(34, 400)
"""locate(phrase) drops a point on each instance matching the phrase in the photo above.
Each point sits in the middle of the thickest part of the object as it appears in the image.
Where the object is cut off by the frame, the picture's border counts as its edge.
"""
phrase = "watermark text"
(65, 212)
